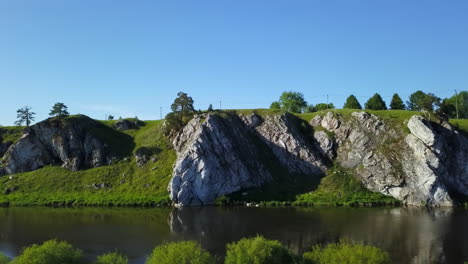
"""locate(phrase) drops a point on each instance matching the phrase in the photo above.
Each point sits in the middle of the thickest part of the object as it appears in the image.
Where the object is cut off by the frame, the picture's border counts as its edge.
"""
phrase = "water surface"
(410, 235)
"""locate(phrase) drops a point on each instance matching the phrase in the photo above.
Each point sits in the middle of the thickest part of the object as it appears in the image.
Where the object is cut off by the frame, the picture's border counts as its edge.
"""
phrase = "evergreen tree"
(182, 112)
(210, 108)
(397, 103)
(59, 110)
(24, 115)
(275, 105)
(376, 103)
(352, 103)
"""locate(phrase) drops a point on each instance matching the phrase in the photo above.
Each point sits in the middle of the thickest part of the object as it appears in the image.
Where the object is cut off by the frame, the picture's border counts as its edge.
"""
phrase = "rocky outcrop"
(4, 147)
(69, 142)
(423, 167)
(126, 124)
(215, 156)
(221, 155)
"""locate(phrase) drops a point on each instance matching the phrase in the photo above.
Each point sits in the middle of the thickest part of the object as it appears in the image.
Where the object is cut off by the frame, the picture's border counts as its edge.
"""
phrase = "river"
(410, 235)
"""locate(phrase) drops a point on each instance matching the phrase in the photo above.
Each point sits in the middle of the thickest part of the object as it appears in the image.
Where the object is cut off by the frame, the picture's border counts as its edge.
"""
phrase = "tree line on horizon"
(453, 107)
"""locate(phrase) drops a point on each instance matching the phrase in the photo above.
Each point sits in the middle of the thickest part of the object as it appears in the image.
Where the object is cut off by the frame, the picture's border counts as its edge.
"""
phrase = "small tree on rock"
(182, 112)
(352, 103)
(397, 103)
(59, 110)
(376, 103)
(24, 115)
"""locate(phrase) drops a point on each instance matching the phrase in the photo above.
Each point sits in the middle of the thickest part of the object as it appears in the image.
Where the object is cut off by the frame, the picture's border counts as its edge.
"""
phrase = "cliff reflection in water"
(410, 235)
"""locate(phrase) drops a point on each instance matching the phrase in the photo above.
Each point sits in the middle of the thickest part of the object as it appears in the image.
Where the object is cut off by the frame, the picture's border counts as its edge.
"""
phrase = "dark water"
(410, 235)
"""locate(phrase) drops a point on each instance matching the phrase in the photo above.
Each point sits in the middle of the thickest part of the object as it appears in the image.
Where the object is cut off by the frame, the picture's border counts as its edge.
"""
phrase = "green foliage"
(419, 101)
(3, 259)
(25, 116)
(352, 103)
(449, 105)
(112, 258)
(110, 117)
(12, 133)
(310, 109)
(397, 103)
(182, 113)
(258, 250)
(50, 252)
(210, 108)
(293, 102)
(346, 253)
(323, 106)
(375, 103)
(275, 105)
(340, 188)
(186, 252)
(59, 110)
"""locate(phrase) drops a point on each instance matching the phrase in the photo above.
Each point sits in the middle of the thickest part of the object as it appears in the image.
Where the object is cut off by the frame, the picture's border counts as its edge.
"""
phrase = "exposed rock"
(215, 156)
(329, 122)
(126, 124)
(66, 142)
(145, 154)
(220, 155)
(326, 145)
(4, 147)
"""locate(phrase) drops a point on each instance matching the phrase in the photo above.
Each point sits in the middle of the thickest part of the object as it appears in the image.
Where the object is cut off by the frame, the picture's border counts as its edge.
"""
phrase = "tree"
(110, 117)
(449, 105)
(376, 103)
(275, 105)
(323, 106)
(292, 102)
(419, 101)
(397, 103)
(210, 108)
(24, 115)
(59, 110)
(352, 103)
(310, 109)
(182, 112)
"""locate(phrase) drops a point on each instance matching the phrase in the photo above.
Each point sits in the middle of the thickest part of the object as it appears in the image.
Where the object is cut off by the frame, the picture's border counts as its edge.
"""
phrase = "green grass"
(126, 183)
(11, 133)
(461, 124)
(341, 188)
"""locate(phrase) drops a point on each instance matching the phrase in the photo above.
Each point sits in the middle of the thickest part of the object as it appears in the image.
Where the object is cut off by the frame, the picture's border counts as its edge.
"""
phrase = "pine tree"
(24, 115)
(352, 103)
(376, 103)
(397, 103)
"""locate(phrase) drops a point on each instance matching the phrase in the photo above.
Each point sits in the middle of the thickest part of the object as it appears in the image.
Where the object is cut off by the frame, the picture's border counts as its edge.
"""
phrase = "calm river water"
(411, 235)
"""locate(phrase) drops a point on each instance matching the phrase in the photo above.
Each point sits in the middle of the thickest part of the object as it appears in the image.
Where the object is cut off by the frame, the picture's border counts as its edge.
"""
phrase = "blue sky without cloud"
(129, 58)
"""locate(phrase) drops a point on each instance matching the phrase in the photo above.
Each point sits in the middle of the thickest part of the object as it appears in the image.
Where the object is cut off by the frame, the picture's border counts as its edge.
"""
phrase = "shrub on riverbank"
(346, 253)
(186, 252)
(50, 252)
(4, 259)
(258, 250)
(112, 258)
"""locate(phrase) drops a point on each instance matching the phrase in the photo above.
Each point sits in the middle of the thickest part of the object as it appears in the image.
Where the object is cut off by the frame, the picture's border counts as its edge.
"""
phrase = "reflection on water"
(411, 235)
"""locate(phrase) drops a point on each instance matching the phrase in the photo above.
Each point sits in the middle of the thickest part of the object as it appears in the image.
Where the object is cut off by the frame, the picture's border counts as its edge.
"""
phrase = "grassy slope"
(128, 183)
(11, 133)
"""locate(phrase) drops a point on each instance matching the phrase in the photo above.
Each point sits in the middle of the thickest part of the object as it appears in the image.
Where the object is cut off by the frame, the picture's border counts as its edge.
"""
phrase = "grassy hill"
(124, 183)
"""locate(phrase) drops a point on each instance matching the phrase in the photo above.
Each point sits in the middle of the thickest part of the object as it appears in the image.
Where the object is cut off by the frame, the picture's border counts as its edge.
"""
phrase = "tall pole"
(327, 101)
(456, 102)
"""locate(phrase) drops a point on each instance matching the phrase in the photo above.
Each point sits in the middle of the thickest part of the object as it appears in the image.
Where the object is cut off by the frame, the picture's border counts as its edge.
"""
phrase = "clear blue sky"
(129, 58)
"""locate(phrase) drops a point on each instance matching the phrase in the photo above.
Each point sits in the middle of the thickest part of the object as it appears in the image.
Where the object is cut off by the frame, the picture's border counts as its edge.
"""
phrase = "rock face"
(423, 167)
(221, 155)
(68, 142)
(126, 124)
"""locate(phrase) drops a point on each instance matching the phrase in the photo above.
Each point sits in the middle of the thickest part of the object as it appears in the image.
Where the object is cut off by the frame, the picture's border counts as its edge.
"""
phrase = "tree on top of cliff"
(293, 102)
(352, 103)
(24, 115)
(376, 103)
(182, 112)
(59, 110)
(397, 103)
(419, 101)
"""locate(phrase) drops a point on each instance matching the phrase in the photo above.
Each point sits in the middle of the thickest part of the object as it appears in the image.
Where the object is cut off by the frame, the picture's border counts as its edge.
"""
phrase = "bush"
(346, 253)
(51, 252)
(258, 250)
(4, 259)
(112, 258)
(186, 252)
